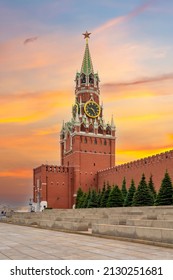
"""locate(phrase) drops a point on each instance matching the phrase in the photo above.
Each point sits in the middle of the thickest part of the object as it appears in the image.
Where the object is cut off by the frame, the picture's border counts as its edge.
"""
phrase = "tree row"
(113, 196)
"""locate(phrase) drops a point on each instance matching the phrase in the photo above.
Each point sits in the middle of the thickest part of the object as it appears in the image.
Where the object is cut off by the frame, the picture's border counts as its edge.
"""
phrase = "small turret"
(62, 130)
(112, 123)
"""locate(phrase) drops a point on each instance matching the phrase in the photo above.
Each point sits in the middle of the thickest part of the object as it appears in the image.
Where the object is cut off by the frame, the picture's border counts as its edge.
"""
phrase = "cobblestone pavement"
(20, 242)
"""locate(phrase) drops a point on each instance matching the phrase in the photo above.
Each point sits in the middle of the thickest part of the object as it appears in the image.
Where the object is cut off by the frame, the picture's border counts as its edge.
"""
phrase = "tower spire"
(87, 67)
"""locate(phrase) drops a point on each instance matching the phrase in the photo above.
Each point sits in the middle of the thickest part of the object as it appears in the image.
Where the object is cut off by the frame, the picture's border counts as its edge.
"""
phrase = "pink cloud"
(159, 78)
(116, 21)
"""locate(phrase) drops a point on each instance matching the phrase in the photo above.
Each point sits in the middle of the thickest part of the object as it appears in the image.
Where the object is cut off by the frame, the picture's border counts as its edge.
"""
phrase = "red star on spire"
(86, 35)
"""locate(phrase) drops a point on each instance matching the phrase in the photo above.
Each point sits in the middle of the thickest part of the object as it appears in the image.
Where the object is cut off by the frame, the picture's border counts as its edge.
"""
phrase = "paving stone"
(23, 242)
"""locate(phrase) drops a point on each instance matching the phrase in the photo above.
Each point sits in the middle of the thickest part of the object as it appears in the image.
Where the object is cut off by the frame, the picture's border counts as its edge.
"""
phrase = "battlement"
(57, 169)
(52, 168)
(155, 165)
(141, 162)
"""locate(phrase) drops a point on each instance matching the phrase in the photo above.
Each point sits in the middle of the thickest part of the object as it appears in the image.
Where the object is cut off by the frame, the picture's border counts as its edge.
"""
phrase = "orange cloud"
(19, 173)
(170, 136)
(125, 155)
(31, 107)
(142, 118)
(48, 130)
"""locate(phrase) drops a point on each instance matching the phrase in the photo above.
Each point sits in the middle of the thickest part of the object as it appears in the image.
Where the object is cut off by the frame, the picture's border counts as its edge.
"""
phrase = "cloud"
(159, 78)
(125, 155)
(30, 40)
(118, 20)
(19, 173)
(31, 107)
(15, 190)
(51, 130)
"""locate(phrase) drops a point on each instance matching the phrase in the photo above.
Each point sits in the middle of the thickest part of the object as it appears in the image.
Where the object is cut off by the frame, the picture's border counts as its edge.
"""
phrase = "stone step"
(163, 235)
(73, 226)
(151, 223)
(63, 225)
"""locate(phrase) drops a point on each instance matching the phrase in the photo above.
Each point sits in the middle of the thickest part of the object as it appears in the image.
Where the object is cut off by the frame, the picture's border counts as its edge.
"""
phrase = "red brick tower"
(87, 141)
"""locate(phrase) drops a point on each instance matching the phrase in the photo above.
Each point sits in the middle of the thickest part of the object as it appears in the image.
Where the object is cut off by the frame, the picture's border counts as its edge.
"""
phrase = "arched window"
(108, 130)
(97, 81)
(83, 79)
(91, 79)
(100, 129)
(91, 128)
(82, 128)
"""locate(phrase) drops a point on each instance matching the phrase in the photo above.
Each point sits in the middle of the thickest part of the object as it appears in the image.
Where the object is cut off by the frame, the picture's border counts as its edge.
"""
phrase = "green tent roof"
(87, 67)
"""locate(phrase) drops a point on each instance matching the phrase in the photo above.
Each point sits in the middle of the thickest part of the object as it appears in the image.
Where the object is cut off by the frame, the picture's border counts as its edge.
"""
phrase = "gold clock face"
(92, 109)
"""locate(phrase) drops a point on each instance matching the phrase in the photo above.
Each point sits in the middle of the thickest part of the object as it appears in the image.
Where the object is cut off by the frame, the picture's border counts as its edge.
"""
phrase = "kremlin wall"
(87, 144)
(155, 165)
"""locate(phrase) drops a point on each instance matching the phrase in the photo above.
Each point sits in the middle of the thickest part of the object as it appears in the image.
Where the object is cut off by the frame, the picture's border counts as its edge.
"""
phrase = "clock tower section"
(87, 142)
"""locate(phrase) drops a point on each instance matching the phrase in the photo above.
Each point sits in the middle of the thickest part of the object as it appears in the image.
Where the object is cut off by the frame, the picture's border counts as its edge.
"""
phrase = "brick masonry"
(155, 165)
(55, 185)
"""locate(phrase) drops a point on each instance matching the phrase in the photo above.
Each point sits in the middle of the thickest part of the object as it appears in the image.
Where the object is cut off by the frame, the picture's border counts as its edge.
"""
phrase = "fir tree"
(87, 198)
(99, 198)
(105, 196)
(102, 194)
(124, 189)
(82, 201)
(165, 194)
(78, 197)
(151, 187)
(130, 194)
(115, 198)
(92, 202)
(143, 196)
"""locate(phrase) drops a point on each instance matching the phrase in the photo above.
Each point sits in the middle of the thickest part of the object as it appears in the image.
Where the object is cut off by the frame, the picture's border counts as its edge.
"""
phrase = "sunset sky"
(42, 47)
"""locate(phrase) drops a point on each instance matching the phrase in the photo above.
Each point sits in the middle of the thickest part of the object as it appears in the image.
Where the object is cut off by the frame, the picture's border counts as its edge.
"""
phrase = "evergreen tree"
(143, 196)
(92, 202)
(102, 194)
(124, 189)
(130, 194)
(115, 197)
(82, 201)
(105, 196)
(87, 198)
(165, 194)
(151, 187)
(99, 198)
(78, 197)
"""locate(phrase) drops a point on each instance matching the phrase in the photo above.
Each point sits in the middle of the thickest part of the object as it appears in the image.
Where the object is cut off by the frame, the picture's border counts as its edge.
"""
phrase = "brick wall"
(88, 155)
(56, 185)
(155, 165)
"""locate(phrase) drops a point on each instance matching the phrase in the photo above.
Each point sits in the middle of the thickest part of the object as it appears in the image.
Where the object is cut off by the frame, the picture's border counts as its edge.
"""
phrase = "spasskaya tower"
(87, 145)
(87, 141)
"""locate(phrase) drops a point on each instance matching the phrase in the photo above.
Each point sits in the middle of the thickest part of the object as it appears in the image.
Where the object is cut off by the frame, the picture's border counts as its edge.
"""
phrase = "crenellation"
(56, 169)
(152, 165)
(142, 162)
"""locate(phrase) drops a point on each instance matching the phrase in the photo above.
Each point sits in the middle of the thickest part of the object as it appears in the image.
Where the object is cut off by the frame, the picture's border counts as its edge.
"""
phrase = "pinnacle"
(87, 67)
(112, 122)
